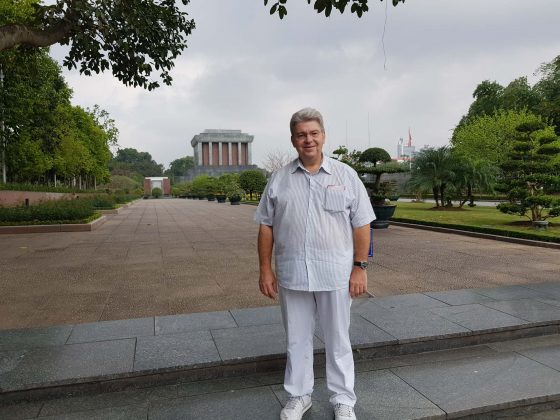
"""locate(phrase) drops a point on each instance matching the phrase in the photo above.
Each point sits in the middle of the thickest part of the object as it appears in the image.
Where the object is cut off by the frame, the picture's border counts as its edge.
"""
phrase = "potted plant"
(235, 199)
(221, 197)
(372, 164)
(211, 197)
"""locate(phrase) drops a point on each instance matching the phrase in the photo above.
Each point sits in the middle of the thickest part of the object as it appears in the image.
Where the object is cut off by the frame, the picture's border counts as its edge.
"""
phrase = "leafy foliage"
(531, 174)
(48, 211)
(130, 162)
(179, 167)
(46, 138)
(359, 7)
(488, 137)
(252, 181)
(541, 99)
(132, 38)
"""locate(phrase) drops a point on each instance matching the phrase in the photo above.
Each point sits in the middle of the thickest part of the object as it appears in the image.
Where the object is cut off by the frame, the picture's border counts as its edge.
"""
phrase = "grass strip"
(477, 219)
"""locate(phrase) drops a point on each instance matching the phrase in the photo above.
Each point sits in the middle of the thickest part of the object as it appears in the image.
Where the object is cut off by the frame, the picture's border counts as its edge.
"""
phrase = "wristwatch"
(362, 264)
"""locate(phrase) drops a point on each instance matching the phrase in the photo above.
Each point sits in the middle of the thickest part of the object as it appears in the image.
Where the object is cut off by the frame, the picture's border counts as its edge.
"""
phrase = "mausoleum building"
(217, 152)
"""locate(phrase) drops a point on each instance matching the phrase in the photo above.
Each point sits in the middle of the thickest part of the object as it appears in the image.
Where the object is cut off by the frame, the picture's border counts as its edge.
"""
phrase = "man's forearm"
(265, 243)
(361, 238)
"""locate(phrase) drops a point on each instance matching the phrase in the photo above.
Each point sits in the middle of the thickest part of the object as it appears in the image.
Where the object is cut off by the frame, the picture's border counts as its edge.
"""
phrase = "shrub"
(104, 201)
(157, 192)
(48, 211)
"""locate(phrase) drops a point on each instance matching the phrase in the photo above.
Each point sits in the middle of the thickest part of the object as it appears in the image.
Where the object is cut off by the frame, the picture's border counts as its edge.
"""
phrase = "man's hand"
(267, 279)
(268, 284)
(358, 282)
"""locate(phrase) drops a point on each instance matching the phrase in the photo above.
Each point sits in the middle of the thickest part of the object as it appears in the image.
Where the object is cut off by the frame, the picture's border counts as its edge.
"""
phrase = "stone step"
(506, 380)
(114, 355)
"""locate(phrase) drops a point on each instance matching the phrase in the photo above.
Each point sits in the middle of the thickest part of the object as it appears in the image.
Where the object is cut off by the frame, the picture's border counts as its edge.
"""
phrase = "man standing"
(315, 213)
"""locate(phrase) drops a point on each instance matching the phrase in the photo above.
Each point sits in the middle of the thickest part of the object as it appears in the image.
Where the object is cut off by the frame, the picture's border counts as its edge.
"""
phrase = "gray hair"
(306, 114)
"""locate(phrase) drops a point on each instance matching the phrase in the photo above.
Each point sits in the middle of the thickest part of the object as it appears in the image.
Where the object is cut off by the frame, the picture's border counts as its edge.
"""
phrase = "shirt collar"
(326, 165)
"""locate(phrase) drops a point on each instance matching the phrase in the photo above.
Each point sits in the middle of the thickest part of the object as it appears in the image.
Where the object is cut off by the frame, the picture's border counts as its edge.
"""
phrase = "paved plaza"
(173, 256)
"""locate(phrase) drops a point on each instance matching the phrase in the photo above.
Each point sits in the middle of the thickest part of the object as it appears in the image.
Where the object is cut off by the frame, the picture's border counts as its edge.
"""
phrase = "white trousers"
(299, 311)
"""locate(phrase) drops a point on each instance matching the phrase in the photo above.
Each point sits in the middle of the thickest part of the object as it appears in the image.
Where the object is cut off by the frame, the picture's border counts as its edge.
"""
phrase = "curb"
(530, 242)
(71, 227)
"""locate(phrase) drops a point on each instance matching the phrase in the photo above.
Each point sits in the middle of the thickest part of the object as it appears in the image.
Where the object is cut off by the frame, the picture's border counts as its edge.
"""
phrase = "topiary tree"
(377, 161)
(531, 173)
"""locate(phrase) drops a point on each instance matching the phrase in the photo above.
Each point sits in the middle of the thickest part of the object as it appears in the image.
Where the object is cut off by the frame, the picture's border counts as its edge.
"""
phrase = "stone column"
(249, 154)
(239, 153)
(220, 153)
(210, 153)
(230, 161)
(199, 148)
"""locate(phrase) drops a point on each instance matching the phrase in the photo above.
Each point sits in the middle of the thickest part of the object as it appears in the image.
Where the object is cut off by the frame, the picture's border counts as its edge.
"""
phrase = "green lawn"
(482, 219)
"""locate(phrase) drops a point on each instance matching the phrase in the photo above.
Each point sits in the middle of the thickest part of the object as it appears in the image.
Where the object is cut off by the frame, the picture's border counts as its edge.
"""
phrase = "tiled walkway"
(167, 257)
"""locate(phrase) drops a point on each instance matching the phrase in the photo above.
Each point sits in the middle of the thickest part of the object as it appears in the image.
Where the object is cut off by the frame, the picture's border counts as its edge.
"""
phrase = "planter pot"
(540, 224)
(221, 198)
(202, 197)
(383, 214)
(211, 198)
(235, 203)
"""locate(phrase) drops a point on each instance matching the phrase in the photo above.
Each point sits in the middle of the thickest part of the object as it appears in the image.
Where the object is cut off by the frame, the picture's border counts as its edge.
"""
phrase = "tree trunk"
(436, 195)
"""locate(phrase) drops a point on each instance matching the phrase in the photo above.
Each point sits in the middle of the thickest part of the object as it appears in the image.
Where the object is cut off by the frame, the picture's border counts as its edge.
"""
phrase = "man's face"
(308, 139)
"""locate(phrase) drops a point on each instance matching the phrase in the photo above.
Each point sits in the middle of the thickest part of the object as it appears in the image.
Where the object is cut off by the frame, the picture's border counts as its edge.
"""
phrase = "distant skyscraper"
(406, 152)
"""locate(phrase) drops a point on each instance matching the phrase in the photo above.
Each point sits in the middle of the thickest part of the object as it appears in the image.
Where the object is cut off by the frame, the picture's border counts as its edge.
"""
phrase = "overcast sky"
(244, 69)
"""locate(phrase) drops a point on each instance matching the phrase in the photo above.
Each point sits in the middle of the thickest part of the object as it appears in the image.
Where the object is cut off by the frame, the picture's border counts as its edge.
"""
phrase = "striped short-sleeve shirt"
(312, 217)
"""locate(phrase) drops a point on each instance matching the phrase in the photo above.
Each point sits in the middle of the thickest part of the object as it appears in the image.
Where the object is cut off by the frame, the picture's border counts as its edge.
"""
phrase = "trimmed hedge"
(491, 231)
(40, 188)
(48, 211)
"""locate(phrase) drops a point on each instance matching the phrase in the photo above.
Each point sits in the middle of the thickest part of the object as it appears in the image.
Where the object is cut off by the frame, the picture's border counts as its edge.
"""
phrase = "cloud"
(245, 69)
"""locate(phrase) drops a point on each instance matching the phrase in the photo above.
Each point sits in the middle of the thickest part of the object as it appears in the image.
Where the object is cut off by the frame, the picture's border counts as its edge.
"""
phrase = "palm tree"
(433, 169)
(472, 175)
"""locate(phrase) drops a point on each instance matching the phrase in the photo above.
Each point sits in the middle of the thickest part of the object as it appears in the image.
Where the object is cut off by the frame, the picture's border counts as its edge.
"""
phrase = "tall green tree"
(252, 181)
(489, 137)
(179, 167)
(129, 161)
(435, 169)
(532, 173)
(548, 88)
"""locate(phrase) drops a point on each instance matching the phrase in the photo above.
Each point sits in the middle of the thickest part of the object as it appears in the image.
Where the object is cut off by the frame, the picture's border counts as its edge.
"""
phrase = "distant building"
(405, 152)
(161, 182)
(217, 152)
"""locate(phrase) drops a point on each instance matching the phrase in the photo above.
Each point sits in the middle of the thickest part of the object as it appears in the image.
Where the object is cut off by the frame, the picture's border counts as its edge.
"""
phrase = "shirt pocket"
(335, 198)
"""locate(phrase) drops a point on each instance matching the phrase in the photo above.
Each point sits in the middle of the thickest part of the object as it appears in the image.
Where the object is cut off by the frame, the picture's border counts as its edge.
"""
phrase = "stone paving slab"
(548, 356)
(477, 317)
(111, 330)
(411, 323)
(528, 309)
(71, 363)
(459, 297)
(192, 349)
(251, 404)
(509, 293)
(34, 337)
(468, 387)
(193, 322)
(257, 316)
(245, 343)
